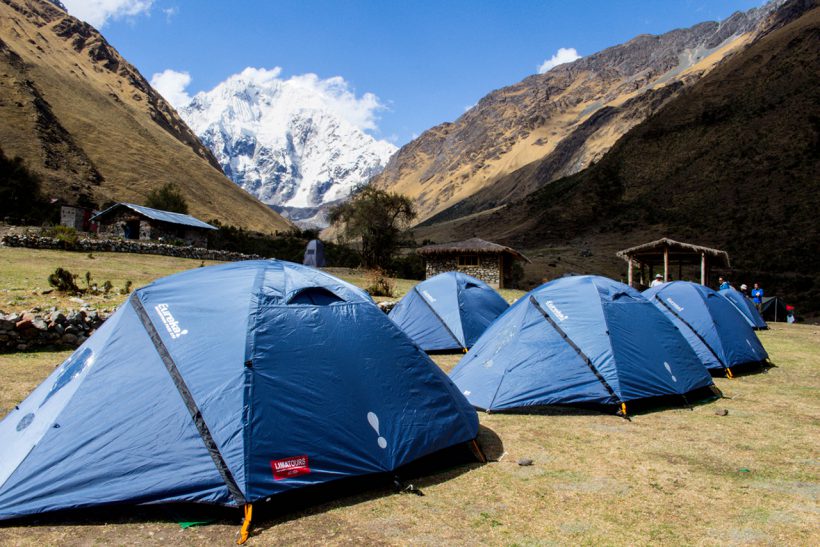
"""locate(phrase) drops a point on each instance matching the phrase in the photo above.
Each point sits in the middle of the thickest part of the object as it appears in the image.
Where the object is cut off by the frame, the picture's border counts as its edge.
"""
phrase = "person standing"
(723, 284)
(657, 281)
(757, 296)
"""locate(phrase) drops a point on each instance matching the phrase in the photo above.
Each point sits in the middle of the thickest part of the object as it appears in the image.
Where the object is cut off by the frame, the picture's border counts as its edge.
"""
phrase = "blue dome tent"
(226, 385)
(448, 312)
(582, 340)
(745, 306)
(710, 323)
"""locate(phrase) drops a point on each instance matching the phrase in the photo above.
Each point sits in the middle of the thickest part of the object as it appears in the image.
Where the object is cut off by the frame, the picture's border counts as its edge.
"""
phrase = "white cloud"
(171, 85)
(98, 12)
(333, 94)
(170, 13)
(563, 55)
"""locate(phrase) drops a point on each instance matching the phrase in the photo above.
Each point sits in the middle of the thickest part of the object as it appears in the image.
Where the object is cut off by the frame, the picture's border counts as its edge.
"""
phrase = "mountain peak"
(291, 143)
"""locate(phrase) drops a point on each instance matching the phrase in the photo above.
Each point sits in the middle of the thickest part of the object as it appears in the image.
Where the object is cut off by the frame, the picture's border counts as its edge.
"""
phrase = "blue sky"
(425, 60)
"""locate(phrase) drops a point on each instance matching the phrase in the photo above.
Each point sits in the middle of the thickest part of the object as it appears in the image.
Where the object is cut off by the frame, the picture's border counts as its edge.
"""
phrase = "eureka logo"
(558, 313)
(171, 324)
(675, 304)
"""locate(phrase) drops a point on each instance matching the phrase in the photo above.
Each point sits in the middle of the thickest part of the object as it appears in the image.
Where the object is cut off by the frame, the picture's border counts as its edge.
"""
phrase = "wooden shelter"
(667, 253)
(485, 260)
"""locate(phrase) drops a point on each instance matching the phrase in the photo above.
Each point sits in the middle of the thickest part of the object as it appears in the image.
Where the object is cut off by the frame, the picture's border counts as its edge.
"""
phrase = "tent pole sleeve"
(189, 401)
(696, 333)
(450, 332)
(579, 351)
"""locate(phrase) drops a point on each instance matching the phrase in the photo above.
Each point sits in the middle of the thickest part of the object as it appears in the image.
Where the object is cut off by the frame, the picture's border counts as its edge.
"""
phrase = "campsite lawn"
(671, 477)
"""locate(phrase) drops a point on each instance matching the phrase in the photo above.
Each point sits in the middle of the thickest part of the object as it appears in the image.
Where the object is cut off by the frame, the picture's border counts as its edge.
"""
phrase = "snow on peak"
(296, 142)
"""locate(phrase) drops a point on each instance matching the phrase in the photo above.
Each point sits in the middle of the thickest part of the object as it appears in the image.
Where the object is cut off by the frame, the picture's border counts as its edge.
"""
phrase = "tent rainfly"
(226, 385)
(666, 252)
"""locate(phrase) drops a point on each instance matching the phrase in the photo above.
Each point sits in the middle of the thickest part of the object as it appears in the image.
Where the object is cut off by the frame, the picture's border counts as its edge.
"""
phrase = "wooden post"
(501, 271)
(703, 269)
(629, 272)
(665, 263)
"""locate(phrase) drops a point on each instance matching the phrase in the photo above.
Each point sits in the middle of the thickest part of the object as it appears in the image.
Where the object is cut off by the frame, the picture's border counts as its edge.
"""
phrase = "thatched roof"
(652, 252)
(474, 245)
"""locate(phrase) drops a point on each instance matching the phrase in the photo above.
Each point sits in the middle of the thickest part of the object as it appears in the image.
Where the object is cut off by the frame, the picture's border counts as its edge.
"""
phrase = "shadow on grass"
(414, 477)
(746, 369)
(637, 407)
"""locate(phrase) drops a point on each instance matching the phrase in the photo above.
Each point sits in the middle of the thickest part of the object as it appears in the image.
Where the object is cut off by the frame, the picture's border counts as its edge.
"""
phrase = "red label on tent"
(290, 467)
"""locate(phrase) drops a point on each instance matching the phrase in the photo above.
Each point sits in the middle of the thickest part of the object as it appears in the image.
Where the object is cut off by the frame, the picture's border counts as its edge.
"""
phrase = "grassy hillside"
(731, 163)
(89, 124)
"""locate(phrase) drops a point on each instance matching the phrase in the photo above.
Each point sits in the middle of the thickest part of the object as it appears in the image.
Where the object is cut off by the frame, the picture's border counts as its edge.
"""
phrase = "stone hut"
(485, 260)
(129, 221)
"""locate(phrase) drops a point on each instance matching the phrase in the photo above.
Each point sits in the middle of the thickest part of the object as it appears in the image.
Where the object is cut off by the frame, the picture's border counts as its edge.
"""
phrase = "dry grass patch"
(24, 275)
(669, 477)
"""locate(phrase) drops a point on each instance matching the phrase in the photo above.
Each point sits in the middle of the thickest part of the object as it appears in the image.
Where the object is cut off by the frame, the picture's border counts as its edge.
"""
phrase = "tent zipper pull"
(246, 525)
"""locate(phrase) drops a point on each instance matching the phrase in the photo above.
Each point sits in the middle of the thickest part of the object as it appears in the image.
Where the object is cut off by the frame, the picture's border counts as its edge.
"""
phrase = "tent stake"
(246, 525)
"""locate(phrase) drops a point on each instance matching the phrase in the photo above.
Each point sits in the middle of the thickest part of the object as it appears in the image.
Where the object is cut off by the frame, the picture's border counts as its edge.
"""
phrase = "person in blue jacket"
(757, 296)
(723, 284)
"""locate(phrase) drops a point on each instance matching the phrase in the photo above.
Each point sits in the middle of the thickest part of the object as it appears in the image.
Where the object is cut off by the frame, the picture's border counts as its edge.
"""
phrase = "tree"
(379, 218)
(19, 189)
(167, 198)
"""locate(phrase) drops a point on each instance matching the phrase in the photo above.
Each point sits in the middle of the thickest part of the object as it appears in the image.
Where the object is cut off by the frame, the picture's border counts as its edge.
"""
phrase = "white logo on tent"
(669, 370)
(428, 296)
(171, 324)
(675, 304)
(558, 313)
(373, 420)
(468, 392)
(751, 347)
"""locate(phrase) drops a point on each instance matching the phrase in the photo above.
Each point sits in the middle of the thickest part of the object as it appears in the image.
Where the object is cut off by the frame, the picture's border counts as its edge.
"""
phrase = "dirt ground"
(673, 476)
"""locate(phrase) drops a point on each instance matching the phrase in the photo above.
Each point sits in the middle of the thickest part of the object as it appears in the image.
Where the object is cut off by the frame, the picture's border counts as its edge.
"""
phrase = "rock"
(39, 324)
(722, 412)
(524, 462)
(57, 317)
(72, 329)
(68, 339)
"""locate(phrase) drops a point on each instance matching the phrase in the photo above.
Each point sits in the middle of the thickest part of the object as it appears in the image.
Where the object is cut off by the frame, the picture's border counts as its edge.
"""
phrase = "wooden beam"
(629, 273)
(703, 269)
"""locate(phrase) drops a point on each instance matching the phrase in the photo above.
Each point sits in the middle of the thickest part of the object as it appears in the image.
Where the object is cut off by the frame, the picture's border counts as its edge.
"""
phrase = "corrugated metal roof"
(162, 216)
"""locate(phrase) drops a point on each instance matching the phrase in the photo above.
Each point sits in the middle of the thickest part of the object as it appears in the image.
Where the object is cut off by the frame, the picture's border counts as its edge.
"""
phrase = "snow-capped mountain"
(295, 143)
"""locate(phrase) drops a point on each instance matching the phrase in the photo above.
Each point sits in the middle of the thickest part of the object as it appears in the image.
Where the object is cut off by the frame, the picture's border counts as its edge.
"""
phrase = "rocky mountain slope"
(569, 117)
(89, 124)
(277, 140)
(731, 162)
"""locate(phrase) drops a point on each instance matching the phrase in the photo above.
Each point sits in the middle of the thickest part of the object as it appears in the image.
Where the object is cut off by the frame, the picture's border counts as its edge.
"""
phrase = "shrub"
(64, 281)
(379, 284)
(127, 288)
(168, 198)
(107, 286)
(67, 235)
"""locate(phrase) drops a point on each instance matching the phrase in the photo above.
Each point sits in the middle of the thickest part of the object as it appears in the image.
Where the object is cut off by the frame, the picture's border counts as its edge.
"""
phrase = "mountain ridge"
(92, 128)
(516, 125)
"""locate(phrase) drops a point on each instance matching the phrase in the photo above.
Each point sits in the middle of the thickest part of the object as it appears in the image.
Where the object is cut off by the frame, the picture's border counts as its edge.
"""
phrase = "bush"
(379, 284)
(64, 281)
(127, 288)
(68, 236)
(167, 198)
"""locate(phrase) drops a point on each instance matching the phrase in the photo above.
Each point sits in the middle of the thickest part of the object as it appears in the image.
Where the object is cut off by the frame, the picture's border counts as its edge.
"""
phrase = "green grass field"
(671, 477)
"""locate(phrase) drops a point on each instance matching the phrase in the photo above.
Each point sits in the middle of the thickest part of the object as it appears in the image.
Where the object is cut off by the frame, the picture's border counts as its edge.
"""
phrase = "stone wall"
(487, 270)
(87, 245)
(37, 329)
